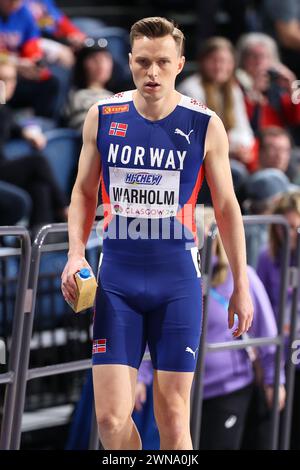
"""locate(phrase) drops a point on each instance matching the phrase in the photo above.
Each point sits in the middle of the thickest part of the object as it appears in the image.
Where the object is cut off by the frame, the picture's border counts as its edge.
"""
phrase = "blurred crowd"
(51, 72)
(53, 68)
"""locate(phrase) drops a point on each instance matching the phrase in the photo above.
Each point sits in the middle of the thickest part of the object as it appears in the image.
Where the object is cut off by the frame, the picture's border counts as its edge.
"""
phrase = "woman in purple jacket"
(229, 376)
(268, 269)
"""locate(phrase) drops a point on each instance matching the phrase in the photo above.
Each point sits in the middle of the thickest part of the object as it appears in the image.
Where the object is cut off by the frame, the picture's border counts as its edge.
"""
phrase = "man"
(30, 172)
(60, 37)
(54, 23)
(20, 40)
(275, 151)
(152, 142)
(19, 34)
(261, 191)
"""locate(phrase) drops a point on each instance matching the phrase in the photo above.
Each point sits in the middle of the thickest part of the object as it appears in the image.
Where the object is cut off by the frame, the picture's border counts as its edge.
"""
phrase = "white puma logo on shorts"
(188, 349)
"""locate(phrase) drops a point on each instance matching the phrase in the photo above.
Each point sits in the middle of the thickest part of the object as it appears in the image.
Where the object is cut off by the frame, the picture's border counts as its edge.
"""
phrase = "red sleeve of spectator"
(65, 28)
(290, 110)
(31, 49)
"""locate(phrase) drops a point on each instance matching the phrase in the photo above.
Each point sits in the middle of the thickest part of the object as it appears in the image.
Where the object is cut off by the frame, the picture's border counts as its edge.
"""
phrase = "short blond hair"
(157, 27)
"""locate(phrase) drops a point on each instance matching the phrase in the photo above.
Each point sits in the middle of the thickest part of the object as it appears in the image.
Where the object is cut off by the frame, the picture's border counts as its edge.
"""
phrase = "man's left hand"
(240, 304)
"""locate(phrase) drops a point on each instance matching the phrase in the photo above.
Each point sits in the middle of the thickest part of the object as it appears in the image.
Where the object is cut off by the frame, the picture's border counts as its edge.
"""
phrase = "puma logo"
(188, 349)
(230, 422)
(187, 136)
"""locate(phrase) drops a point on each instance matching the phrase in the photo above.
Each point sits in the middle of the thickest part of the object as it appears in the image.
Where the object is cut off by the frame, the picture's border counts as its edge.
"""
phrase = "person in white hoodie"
(215, 86)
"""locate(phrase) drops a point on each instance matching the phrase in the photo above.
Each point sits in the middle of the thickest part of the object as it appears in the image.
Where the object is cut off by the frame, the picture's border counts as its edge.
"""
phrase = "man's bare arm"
(85, 192)
(83, 203)
(229, 220)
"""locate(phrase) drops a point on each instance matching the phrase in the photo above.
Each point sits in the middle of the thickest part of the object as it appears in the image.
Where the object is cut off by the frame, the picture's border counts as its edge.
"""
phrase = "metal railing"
(24, 373)
(290, 366)
(19, 372)
(15, 363)
(278, 341)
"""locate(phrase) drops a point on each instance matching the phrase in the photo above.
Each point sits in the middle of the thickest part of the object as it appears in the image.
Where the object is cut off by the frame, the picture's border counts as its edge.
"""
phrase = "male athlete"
(150, 147)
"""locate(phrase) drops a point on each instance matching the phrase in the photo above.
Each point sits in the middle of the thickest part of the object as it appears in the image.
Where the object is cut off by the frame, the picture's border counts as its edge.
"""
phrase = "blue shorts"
(148, 299)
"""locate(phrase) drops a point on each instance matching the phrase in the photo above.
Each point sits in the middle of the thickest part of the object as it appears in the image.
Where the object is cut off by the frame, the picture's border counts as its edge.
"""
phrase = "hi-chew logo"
(99, 346)
(124, 108)
(118, 128)
(143, 178)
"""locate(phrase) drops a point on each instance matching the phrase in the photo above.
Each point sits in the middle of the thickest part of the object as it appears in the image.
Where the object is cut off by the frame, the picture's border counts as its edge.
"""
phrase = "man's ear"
(181, 64)
(130, 59)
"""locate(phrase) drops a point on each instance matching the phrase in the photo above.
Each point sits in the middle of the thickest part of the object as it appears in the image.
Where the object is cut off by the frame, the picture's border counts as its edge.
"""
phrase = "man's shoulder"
(110, 104)
(118, 98)
(195, 105)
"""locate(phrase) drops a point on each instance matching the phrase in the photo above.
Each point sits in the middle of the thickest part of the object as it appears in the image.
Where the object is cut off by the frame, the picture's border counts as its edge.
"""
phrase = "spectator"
(215, 85)
(261, 191)
(267, 83)
(229, 375)
(60, 39)
(53, 23)
(19, 38)
(48, 19)
(31, 173)
(269, 269)
(275, 151)
(263, 188)
(93, 69)
(19, 34)
(282, 21)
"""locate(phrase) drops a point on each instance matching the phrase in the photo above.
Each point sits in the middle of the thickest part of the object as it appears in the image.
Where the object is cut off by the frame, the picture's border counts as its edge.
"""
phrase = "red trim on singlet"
(186, 215)
(108, 216)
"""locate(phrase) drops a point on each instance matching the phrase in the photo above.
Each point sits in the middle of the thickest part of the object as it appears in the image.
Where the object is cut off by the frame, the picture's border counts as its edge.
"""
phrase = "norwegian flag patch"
(99, 346)
(118, 128)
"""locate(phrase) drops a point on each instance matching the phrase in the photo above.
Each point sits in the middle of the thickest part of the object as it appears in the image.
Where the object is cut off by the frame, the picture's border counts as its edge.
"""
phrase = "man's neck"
(95, 86)
(155, 110)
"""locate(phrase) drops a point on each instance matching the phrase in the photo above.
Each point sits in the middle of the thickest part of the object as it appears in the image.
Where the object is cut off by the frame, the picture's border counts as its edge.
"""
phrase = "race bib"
(144, 193)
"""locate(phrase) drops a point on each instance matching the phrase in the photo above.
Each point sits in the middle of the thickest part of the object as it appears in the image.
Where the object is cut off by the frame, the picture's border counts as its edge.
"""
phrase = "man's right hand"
(68, 284)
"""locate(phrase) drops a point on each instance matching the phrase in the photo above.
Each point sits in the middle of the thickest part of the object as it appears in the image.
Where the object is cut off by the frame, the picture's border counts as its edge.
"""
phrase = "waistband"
(138, 258)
